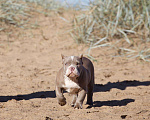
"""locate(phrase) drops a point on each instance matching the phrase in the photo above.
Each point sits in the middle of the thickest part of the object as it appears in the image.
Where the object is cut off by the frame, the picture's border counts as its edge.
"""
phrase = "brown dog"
(77, 77)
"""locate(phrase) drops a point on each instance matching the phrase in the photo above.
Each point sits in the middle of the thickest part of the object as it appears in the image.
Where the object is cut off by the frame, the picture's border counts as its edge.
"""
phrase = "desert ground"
(30, 59)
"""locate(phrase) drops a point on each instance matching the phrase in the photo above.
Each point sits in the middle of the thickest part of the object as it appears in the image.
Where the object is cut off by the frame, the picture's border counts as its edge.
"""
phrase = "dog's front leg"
(74, 100)
(60, 97)
(80, 99)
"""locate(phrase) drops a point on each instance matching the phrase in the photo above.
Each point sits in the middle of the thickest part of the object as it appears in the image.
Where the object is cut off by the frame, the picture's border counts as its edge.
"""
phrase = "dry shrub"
(113, 22)
(19, 12)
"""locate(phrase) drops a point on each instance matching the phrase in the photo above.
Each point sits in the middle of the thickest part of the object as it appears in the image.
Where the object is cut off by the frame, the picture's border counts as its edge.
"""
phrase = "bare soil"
(30, 59)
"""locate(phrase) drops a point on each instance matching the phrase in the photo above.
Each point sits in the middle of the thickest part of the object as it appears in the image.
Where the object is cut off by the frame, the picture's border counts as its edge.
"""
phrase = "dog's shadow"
(97, 88)
(119, 85)
(41, 94)
(111, 103)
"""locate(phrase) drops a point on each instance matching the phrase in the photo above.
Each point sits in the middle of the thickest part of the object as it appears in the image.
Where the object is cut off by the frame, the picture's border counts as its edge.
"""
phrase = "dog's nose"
(72, 69)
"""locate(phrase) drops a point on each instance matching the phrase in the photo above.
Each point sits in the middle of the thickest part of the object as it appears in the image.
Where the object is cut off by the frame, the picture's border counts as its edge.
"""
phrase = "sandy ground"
(30, 59)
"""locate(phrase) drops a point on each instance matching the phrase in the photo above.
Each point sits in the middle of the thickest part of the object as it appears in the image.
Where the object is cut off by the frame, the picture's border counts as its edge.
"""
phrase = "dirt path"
(28, 65)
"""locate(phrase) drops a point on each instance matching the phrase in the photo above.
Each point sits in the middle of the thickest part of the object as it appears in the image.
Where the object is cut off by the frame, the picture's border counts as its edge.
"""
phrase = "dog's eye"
(77, 63)
(67, 64)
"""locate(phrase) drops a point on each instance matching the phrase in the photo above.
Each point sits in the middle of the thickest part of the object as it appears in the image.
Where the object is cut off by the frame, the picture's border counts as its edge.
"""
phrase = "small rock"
(48, 118)
(123, 116)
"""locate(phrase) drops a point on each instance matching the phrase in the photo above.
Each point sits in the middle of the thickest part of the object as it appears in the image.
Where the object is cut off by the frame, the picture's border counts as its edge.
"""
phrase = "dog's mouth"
(72, 75)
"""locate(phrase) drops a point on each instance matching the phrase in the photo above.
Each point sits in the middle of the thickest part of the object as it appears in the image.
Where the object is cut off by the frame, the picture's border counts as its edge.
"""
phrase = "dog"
(76, 77)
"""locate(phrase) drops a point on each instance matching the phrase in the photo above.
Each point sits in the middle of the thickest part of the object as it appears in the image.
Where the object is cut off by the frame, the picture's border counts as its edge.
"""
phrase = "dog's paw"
(62, 103)
(78, 106)
(72, 105)
(89, 102)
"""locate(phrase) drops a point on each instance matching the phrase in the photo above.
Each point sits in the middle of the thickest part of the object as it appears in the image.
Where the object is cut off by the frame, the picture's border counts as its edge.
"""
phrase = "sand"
(30, 59)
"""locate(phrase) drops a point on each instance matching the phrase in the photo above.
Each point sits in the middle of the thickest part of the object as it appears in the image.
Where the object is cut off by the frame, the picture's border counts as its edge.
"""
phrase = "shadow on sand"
(112, 103)
(119, 85)
(97, 88)
(41, 94)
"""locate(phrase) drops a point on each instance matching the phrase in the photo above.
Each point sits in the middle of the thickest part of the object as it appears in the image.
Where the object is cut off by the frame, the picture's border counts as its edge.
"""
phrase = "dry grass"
(19, 12)
(123, 25)
(120, 20)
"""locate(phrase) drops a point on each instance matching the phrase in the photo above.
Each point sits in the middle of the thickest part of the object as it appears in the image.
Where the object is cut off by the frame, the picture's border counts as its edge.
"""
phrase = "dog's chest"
(71, 86)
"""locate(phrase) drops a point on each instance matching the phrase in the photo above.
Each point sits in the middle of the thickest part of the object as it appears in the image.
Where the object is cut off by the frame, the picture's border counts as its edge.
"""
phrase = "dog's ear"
(81, 56)
(62, 56)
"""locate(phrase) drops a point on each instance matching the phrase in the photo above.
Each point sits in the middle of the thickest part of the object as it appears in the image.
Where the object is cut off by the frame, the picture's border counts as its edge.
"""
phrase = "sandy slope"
(30, 60)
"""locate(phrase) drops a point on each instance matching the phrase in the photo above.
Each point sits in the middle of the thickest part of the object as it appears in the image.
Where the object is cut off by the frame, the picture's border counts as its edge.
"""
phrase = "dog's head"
(72, 65)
